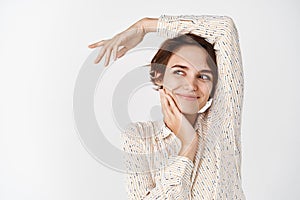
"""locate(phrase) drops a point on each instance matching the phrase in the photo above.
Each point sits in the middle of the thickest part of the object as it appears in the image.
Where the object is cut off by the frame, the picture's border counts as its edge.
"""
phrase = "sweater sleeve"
(222, 33)
(175, 178)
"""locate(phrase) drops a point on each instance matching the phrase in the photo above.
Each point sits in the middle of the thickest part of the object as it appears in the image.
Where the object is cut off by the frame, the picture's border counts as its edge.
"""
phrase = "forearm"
(148, 24)
(190, 150)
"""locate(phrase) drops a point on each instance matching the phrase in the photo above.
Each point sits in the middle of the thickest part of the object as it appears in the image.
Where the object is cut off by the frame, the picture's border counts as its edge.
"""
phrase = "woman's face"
(188, 78)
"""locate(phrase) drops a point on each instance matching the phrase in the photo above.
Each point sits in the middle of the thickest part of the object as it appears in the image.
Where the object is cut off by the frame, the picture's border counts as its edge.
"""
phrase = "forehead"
(191, 56)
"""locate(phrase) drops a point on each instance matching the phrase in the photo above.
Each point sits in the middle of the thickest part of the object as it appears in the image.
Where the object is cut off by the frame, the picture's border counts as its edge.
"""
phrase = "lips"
(188, 96)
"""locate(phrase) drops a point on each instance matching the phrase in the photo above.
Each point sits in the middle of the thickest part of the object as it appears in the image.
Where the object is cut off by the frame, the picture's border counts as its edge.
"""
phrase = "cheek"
(206, 88)
(172, 82)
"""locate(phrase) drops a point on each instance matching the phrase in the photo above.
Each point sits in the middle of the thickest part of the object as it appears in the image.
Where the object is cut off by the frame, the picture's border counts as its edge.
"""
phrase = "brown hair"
(167, 49)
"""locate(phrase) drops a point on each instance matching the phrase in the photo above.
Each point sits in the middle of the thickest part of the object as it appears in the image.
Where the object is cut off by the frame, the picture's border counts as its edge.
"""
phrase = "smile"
(187, 97)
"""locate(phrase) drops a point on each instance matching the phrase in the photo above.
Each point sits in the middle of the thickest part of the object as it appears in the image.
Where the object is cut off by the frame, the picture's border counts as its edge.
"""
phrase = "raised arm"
(218, 30)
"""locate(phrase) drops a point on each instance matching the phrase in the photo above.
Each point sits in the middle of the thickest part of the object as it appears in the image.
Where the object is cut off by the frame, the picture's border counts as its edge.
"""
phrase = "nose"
(191, 84)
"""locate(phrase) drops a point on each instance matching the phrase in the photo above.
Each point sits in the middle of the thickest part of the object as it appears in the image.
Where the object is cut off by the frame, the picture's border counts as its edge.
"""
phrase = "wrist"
(190, 148)
(188, 152)
(148, 24)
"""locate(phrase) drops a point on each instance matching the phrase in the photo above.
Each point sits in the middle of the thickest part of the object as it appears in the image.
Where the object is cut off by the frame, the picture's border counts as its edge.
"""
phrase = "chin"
(189, 111)
(188, 108)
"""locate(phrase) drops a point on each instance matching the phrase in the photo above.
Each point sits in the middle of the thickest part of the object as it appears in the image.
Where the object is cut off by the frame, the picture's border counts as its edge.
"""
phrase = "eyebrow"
(185, 67)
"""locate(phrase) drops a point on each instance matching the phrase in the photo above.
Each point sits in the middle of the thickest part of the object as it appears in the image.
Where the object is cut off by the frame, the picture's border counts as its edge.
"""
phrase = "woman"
(195, 151)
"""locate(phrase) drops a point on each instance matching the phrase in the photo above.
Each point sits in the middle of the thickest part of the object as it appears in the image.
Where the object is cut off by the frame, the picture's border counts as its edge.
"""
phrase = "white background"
(42, 47)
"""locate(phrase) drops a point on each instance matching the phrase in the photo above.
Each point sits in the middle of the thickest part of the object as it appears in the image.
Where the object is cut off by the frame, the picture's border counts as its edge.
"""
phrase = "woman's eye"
(205, 77)
(202, 76)
(179, 72)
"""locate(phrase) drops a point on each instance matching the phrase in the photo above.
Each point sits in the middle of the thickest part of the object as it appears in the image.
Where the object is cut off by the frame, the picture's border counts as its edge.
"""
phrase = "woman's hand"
(179, 125)
(127, 39)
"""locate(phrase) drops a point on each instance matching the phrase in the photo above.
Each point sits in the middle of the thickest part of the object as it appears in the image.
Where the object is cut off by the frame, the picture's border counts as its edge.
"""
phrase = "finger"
(122, 52)
(114, 52)
(162, 101)
(168, 100)
(113, 44)
(107, 58)
(173, 103)
(101, 54)
(165, 106)
(115, 49)
(106, 49)
(97, 44)
(165, 99)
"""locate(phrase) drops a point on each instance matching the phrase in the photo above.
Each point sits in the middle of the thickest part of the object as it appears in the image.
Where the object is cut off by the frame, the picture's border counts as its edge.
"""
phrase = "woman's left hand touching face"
(175, 120)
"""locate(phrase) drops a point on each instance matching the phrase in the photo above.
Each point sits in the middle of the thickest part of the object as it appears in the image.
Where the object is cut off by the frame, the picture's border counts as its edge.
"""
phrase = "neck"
(191, 118)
